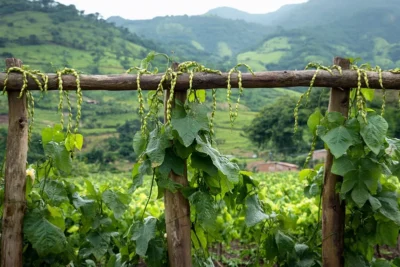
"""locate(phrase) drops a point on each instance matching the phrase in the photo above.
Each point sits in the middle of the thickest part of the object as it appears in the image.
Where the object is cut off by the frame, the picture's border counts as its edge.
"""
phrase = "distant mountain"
(208, 39)
(311, 13)
(235, 14)
(319, 30)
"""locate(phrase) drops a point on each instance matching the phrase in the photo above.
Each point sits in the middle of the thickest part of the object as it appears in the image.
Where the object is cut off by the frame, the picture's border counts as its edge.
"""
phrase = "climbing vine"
(85, 229)
(368, 160)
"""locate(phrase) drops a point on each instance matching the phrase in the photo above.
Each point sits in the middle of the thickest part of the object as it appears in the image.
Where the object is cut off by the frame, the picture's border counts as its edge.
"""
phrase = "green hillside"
(44, 33)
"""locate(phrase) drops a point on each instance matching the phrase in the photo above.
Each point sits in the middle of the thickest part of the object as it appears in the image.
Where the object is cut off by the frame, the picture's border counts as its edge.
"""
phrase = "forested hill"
(46, 35)
(289, 38)
(211, 40)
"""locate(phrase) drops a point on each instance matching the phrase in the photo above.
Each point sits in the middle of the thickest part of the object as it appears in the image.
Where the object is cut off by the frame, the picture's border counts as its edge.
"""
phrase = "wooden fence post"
(177, 210)
(15, 177)
(333, 210)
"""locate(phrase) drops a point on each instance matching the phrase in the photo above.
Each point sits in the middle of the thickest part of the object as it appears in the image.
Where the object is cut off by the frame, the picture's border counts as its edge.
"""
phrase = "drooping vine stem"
(174, 76)
(233, 115)
(379, 70)
(214, 108)
(318, 67)
(79, 99)
(31, 101)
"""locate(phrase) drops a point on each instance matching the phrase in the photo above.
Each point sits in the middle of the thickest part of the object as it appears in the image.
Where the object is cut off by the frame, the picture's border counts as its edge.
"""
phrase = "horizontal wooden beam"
(268, 79)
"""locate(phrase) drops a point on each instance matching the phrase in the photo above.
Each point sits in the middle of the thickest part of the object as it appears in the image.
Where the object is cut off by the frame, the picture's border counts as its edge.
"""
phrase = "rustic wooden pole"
(15, 177)
(177, 211)
(267, 79)
(333, 210)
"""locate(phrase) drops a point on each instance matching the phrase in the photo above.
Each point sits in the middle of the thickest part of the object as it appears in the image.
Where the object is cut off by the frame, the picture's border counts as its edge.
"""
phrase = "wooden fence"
(176, 206)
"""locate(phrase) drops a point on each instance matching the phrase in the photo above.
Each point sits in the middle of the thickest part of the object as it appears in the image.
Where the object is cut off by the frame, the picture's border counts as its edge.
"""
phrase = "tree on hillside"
(273, 127)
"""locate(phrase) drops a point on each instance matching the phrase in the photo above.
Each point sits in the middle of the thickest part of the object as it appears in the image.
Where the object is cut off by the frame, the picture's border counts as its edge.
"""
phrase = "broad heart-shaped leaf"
(172, 163)
(164, 182)
(158, 142)
(342, 165)
(254, 212)
(375, 203)
(271, 250)
(352, 259)
(87, 206)
(45, 237)
(390, 206)
(284, 243)
(60, 155)
(155, 253)
(139, 143)
(204, 205)
(362, 181)
(374, 132)
(99, 244)
(228, 168)
(387, 233)
(368, 93)
(55, 192)
(333, 119)
(140, 169)
(116, 201)
(143, 232)
(314, 120)
(199, 94)
(74, 141)
(203, 162)
(52, 134)
(338, 140)
(189, 123)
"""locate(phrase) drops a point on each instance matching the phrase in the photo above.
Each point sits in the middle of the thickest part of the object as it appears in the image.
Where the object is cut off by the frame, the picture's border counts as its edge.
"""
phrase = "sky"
(148, 9)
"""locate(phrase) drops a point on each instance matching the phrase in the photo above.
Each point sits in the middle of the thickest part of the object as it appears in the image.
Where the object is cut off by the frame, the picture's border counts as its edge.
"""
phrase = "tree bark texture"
(333, 210)
(15, 177)
(269, 79)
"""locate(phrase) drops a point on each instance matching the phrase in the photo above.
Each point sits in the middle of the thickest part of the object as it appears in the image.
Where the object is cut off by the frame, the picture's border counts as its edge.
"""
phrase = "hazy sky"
(147, 9)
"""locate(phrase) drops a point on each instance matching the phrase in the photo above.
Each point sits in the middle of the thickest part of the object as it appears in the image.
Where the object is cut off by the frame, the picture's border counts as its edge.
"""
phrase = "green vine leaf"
(254, 211)
(284, 243)
(342, 165)
(99, 242)
(189, 123)
(60, 155)
(45, 237)
(314, 120)
(362, 182)
(390, 206)
(143, 232)
(172, 163)
(55, 192)
(74, 141)
(203, 204)
(375, 203)
(159, 141)
(54, 134)
(368, 93)
(139, 143)
(116, 201)
(155, 253)
(387, 233)
(374, 132)
(203, 162)
(140, 169)
(228, 168)
(338, 140)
